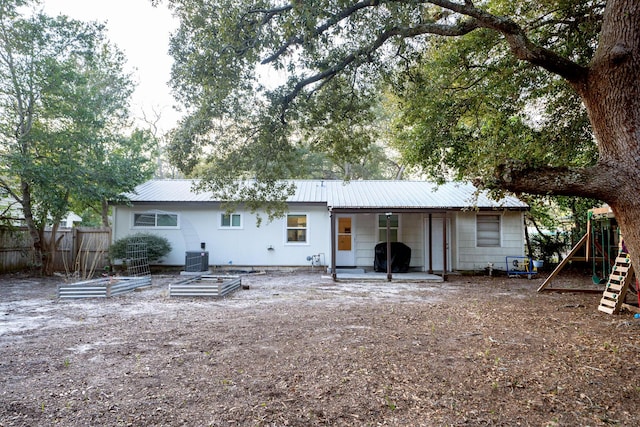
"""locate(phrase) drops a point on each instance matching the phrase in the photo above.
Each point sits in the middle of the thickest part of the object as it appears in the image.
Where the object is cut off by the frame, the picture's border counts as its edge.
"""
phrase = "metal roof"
(375, 194)
(414, 194)
(168, 190)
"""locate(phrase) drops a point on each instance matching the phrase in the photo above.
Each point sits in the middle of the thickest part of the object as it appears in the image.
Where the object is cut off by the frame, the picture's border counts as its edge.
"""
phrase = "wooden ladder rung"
(611, 295)
(620, 269)
(608, 302)
(617, 285)
(614, 287)
(607, 310)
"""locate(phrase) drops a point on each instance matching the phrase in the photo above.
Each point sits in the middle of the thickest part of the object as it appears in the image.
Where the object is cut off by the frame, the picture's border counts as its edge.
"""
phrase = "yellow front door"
(345, 253)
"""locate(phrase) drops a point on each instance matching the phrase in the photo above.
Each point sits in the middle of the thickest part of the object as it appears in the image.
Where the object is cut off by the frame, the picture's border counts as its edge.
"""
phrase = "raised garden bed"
(104, 287)
(205, 286)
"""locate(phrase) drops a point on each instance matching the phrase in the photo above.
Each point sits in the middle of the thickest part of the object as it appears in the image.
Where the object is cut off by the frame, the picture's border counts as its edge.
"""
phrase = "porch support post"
(334, 274)
(444, 247)
(430, 269)
(389, 275)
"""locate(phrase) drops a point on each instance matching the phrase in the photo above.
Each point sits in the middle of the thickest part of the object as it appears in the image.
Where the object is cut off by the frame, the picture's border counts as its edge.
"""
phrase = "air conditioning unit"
(196, 261)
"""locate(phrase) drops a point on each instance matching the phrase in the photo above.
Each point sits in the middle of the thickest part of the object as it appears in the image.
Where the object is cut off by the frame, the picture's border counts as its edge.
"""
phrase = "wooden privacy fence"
(81, 250)
(15, 250)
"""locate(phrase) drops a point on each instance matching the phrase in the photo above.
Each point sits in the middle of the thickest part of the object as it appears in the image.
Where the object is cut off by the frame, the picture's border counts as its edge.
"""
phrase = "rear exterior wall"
(245, 245)
(472, 257)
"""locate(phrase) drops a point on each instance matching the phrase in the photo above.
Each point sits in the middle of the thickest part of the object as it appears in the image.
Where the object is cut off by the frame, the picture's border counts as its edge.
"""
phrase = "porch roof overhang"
(402, 209)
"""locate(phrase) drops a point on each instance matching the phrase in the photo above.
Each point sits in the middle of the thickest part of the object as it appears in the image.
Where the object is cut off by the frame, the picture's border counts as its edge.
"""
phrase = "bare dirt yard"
(297, 349)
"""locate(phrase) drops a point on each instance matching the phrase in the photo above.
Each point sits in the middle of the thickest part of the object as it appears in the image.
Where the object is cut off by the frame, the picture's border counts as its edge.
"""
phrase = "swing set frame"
(592, 244)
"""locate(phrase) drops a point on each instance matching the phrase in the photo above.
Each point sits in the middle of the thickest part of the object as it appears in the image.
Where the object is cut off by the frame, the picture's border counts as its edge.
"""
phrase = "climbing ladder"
(617, 285)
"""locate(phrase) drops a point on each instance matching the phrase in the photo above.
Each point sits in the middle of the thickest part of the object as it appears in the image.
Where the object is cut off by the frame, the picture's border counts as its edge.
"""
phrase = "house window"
(393, 228)
(296, 228)
(153, 219)
(488, 230)
(230, 220)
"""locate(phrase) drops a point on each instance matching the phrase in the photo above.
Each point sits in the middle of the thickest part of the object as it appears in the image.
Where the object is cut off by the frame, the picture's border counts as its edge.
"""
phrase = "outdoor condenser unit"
(195, 261)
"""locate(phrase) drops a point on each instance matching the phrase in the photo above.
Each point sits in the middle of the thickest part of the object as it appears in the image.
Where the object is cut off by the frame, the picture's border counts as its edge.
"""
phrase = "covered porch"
(434, 243)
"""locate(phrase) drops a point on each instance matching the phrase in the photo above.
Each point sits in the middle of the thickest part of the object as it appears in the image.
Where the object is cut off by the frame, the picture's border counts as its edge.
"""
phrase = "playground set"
(612, 273)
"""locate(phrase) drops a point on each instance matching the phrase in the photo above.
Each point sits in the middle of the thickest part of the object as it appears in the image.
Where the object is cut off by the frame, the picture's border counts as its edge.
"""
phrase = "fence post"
(74, 247)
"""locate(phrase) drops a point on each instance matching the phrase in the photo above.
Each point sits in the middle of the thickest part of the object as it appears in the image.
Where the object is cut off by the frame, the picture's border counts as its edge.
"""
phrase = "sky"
(142, 32)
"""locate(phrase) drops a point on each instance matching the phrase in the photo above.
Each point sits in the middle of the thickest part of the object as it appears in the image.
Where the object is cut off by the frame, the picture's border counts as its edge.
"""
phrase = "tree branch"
(544, 20)
(9, 189)
(462, 28)
(270, 13)
(516, 37)
(595, 182)
(335, 19)
(518, 41)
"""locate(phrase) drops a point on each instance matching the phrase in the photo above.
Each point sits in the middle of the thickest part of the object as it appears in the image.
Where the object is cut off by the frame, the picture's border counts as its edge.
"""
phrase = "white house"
(333, 224)
(69, 220)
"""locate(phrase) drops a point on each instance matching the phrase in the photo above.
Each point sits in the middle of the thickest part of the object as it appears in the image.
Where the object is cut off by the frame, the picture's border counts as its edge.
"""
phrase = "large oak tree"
(334, 53)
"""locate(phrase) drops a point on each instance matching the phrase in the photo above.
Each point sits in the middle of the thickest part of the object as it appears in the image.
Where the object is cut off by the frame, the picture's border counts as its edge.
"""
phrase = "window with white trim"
(233, 220)
(487, 231)
(297, 228)
(394, 226)
(155, 220)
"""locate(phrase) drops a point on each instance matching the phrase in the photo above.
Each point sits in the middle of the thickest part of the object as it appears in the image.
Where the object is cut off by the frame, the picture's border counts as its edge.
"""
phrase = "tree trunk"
(51, 249)
(34, 232)
(104, 214)
(612, 98)
(527, 239)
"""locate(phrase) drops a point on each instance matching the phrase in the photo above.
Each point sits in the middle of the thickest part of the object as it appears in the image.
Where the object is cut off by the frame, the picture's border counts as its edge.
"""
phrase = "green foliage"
(157, 246)
(63, 104)
(113, 167)
(346, 131)
(90, 218)
(250, 123)
(559, 223)
(550, 247)
(491, 110)
(460, 106)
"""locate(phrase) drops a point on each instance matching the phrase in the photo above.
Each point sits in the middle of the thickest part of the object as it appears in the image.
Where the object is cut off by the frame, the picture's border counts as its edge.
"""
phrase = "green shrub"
(549, 247)
(157, 246)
